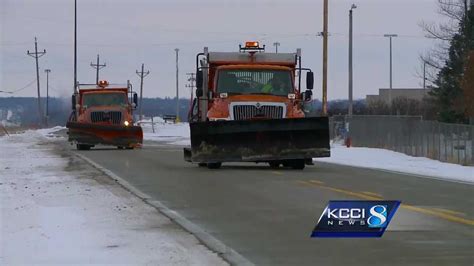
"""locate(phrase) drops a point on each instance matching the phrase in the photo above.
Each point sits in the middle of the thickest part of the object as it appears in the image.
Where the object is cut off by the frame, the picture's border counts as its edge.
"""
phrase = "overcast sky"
(127, 33)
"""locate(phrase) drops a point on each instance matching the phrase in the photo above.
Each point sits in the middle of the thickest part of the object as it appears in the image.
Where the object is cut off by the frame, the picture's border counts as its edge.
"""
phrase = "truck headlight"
(126, 123)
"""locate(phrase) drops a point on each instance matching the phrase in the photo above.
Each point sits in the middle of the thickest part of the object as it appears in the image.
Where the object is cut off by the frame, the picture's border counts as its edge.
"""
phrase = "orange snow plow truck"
(103, 115)
(249, 109)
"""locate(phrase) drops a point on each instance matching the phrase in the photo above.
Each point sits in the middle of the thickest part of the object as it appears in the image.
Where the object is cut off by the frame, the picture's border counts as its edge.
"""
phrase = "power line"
(20, 89)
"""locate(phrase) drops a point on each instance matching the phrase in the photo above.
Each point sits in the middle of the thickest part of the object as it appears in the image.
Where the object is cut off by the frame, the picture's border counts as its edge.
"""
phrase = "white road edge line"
(403, 173)
(230, 255)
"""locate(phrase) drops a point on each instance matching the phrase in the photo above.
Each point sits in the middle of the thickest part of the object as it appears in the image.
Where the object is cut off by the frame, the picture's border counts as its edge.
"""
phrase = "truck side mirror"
(135, 99)
(199, 92)
(308, 95)
(199, 79)
(73, 101)
(309, 80)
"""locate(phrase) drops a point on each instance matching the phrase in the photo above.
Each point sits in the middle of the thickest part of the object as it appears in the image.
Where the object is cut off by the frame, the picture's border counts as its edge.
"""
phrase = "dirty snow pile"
(170, 133)
(56, 209)
(398, 162)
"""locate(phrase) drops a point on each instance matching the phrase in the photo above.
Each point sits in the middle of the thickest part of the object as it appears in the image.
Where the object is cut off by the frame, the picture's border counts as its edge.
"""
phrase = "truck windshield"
(103, 99)
(255, 81)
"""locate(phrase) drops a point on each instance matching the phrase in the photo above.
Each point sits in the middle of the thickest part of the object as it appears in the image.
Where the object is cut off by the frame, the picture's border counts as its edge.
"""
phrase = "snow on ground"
(178, 134)
(399, 162)
(175, 134)
(56, 209)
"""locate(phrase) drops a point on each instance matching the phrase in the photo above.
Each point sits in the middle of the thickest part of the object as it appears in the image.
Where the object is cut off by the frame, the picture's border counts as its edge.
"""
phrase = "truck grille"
(244, 112)
(114, 117)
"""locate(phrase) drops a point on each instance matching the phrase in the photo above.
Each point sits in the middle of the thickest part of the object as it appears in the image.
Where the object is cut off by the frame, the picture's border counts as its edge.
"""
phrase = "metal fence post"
(152, 125)
(459, 143)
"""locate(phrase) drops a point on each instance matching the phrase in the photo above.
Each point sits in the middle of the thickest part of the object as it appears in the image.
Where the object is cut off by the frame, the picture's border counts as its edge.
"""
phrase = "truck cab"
(252, 84)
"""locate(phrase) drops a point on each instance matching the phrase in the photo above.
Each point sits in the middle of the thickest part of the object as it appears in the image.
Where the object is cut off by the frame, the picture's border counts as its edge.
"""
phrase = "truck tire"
(298, 164)
(274, 164)
(214, 165)
(83, 147)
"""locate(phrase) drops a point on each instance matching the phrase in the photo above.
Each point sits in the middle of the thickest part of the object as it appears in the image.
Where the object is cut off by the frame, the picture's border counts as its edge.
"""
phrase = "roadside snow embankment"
(398, 162)
(56, 209)
(175, 134)
(178, 134)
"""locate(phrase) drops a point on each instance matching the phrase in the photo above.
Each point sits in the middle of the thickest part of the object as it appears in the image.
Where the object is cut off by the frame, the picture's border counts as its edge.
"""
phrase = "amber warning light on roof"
(103, 83)
(251, 45)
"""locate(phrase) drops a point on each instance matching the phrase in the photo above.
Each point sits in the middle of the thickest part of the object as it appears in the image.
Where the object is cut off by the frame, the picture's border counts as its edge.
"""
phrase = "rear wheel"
(83, 147)
(120, 147)
(214, 165)
(202, 164)
(130, 148)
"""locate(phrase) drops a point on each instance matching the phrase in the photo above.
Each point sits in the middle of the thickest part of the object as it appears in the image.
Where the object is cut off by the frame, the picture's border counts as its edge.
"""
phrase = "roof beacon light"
(252, 45)
(103, 83)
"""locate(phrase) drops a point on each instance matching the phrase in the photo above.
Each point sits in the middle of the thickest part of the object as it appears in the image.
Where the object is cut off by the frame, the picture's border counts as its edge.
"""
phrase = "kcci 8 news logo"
(355, 218)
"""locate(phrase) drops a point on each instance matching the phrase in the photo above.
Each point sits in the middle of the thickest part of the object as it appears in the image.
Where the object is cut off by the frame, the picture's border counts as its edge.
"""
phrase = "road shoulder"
(59, 210)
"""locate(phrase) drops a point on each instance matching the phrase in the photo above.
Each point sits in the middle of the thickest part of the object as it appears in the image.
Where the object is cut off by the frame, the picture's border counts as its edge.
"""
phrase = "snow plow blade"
(82, 133)
(259, 140)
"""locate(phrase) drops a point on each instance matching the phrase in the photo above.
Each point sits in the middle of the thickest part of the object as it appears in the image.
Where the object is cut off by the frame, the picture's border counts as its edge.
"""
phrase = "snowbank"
(56, 209)
(175, 134)
(399, 162)
(178, 134)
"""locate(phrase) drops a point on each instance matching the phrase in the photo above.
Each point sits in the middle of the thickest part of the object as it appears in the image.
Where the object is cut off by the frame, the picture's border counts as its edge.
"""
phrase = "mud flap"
(259, 140)
(91, 134)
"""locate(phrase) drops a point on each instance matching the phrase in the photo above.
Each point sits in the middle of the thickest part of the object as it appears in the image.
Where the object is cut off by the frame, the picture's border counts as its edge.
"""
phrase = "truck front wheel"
(214, 165)
(83, 147)
(298, 164)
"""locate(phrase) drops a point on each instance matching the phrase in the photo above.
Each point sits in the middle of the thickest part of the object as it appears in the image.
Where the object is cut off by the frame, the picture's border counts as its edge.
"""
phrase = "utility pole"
(141, 74)
(47, 95)
(276, 44)
(191, 80)
(390, 36)
(177, 86)
(75, 47)
(98, 67)
(350, 60)
(325, 58)
(37, 55)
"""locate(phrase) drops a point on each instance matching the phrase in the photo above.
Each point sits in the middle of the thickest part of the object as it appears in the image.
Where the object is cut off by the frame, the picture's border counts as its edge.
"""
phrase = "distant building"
(409, 93)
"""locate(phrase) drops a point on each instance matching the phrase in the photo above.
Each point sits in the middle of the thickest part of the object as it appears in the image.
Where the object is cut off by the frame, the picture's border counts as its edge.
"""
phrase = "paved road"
(267, 215)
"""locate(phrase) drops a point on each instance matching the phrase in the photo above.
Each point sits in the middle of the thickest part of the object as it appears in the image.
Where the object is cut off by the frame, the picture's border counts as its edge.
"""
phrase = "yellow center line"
(449, 211)
(446, 216)
(316, 182)
(277, 173)
(438, 213)
(372, 194)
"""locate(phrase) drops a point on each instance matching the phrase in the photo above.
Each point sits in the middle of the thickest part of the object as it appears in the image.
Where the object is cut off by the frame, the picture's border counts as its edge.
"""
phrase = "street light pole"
(177, 85)
(325, 57)
(350, 60)
(390, 36)
(276, 44)
(47, 94)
